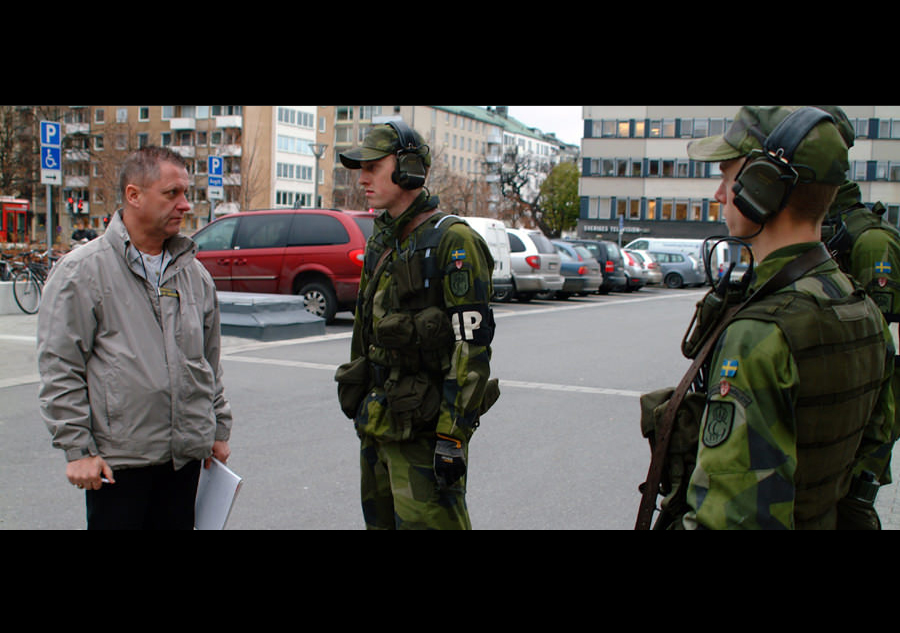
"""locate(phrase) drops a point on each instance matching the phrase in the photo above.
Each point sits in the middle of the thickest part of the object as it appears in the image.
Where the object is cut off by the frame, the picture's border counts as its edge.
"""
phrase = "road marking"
(515, 384)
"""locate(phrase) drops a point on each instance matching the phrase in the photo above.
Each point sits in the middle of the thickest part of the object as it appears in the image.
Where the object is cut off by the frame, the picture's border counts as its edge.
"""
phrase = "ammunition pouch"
(413, 399)
(353, 383)
(681, 457)
(435, 338)
(396, 334)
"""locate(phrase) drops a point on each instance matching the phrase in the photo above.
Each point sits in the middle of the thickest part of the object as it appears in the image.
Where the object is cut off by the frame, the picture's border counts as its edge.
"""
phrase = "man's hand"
(449, 461)
(220, 451)
(87, 473)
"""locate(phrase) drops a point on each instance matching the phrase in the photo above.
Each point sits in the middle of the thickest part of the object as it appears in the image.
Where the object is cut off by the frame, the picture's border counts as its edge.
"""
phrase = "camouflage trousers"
(399, 491)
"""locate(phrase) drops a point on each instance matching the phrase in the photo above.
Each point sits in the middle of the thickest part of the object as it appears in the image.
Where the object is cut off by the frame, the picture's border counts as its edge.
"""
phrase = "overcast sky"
(564, 121)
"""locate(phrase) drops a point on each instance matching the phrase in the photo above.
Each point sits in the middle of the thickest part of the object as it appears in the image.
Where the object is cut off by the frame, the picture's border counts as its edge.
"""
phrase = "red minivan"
(316, 253)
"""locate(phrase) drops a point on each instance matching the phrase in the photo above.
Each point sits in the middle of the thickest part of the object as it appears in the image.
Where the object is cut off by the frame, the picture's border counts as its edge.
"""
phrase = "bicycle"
(28, 282)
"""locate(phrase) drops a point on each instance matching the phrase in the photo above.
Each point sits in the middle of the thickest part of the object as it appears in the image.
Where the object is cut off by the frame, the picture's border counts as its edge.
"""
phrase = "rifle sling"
(787, 275)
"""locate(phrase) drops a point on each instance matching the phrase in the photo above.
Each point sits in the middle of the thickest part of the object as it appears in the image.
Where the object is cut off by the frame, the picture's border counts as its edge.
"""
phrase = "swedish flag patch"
(458, 254)
(729, 368)
(883, 268)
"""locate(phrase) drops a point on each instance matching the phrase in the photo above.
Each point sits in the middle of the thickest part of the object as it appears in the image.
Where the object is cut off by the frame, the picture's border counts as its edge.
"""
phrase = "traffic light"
(105, 221)
(69, 206)
(81, 206)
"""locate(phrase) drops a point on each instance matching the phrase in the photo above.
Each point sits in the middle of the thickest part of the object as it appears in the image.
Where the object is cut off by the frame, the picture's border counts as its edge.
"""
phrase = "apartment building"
(468, 145)
(273, 156)
(637, 177)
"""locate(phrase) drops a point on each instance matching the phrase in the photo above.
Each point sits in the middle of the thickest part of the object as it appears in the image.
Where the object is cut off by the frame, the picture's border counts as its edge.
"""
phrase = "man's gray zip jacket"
(131, 371)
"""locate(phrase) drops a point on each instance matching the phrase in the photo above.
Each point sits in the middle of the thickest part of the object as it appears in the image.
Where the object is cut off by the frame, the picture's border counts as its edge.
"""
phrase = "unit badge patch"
(718, 424)
(459, 282)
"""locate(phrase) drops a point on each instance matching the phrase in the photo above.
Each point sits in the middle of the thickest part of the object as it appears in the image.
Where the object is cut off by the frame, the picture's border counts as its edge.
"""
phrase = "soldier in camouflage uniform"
(798, 385)
(866, 247)
(420, 354)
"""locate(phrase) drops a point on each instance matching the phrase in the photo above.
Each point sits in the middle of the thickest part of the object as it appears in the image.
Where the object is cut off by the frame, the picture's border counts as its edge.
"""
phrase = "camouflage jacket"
(747, 459)
(433, 380)
(874, 261)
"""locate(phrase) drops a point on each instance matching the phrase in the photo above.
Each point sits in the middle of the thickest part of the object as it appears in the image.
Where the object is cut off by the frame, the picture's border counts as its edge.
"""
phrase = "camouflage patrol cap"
(820, 157)
(379, 142)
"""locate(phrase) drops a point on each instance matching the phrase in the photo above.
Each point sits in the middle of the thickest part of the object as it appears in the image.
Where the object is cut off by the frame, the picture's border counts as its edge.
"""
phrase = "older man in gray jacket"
(128, 352)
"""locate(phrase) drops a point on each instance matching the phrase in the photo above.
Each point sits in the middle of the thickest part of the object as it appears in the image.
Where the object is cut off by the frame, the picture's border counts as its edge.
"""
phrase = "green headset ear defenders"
(410, 171)
(768, 176)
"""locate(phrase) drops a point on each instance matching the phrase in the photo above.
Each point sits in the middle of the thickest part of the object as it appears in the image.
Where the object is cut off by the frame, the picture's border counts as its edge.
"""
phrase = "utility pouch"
(353, 383)
(396, 333)
(681, 457)
(412, 399)
(491, 395)
(435, 338)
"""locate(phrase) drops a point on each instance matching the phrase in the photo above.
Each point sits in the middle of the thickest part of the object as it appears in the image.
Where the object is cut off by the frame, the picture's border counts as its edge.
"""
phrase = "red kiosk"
(13, 220)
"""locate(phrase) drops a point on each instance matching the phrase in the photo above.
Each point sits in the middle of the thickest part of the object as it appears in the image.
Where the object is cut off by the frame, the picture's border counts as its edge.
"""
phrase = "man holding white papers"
(128, 352)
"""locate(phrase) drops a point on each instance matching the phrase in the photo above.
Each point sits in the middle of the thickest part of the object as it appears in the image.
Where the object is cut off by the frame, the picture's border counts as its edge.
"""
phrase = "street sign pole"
(51, 168)
(215, 188)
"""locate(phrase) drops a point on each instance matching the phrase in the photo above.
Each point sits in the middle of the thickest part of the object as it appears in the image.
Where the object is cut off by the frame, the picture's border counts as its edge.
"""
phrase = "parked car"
(611, 263)
(581, 272)
(679, 269)
(652, 272)
(535, 263)
(316, 253)
(494, 233)
(635, 278)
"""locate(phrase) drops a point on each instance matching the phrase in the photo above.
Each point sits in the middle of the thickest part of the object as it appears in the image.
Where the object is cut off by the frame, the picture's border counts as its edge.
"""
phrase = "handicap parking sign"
(50, 158)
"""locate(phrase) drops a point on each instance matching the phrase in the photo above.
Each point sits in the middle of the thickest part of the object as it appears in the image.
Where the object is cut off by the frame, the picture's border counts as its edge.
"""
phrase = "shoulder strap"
(787, 275)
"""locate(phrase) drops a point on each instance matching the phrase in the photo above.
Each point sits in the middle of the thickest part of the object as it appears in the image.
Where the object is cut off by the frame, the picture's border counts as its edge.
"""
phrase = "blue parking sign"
(215, 165)
(51, 158)
(51, 134)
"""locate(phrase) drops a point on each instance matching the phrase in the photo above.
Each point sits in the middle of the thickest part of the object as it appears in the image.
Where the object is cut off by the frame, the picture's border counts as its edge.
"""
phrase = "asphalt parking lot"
(561, 449)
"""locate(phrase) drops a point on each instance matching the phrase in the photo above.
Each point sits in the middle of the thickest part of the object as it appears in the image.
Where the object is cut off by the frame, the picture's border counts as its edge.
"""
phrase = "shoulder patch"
(729, 368)
(718, 424)
(459, 282)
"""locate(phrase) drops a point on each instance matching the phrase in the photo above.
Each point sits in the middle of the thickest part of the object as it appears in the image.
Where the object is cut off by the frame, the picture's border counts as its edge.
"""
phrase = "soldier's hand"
(449, 461)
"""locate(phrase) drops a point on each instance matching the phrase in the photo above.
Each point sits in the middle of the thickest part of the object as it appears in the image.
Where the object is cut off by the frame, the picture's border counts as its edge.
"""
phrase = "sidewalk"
(18, 365)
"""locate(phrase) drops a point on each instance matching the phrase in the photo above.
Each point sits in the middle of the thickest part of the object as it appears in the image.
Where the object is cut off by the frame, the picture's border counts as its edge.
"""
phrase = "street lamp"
(318, 149)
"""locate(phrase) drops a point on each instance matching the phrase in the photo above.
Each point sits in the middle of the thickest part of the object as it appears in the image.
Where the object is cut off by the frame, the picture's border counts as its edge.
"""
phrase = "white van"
(692, 247)
(682, 245)
(494, 233)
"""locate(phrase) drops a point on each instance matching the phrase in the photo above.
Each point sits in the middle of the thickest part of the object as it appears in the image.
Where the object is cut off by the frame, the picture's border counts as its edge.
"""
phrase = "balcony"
(77, 155)
(183, 123)
(78, 128)
(185, 151)
(77, 182)
(229, 121)
(232, 179)
(230, 150)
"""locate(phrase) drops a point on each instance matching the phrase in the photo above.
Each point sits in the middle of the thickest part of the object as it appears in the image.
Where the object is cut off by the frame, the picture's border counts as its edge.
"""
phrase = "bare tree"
(520, 178)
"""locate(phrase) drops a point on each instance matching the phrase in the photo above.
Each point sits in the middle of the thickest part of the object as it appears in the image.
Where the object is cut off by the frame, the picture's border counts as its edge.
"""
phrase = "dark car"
(611, 263)
(316, 253)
